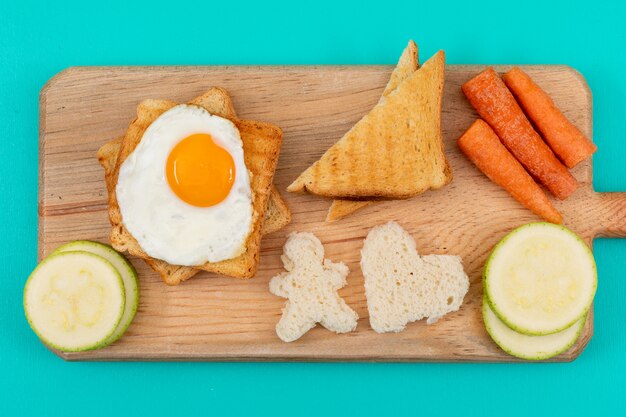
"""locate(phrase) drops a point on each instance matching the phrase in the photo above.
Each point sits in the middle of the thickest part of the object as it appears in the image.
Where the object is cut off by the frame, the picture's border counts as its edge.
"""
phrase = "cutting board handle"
(612, 216)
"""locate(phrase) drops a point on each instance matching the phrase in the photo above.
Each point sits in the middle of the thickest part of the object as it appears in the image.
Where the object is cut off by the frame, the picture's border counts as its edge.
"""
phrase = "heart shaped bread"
(401, 286)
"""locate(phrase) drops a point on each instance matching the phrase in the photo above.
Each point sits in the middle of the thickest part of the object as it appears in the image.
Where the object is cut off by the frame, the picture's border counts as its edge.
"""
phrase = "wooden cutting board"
(217, 318)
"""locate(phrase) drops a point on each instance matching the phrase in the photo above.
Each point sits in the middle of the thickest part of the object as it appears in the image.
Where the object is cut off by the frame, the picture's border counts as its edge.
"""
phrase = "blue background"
(39, 39)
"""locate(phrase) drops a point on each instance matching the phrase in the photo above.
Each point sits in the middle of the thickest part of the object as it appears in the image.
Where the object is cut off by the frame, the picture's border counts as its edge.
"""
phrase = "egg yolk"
(199, 171)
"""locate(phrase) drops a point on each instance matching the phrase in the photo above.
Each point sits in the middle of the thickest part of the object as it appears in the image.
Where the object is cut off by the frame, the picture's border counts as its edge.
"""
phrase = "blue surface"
(38, 40)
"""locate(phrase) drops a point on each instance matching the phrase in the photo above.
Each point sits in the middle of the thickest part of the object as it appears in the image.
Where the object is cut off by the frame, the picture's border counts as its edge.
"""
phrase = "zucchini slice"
(540, 279)
(126, 270)
(74, 301)
(530, 347)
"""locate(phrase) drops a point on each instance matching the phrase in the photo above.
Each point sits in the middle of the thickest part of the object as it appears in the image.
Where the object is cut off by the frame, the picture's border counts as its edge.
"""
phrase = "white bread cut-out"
(401, 286)
(310, 284)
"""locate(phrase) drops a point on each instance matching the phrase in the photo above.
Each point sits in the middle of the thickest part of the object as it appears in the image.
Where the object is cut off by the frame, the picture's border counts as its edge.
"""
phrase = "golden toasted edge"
(447, 169)
(278, 214)
(343, 208)
(407, 64)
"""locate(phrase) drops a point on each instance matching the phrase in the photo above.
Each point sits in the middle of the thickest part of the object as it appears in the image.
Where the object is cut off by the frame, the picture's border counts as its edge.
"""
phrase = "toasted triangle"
(407, 65)
(396, 151)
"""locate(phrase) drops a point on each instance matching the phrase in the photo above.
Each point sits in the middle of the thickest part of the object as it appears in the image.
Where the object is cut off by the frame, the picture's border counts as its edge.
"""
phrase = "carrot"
(483, 147)
(497, 106)
(567, 142)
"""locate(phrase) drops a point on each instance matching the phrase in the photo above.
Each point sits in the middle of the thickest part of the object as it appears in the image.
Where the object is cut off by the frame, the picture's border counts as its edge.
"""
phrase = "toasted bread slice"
(261, 142)
(396, 151)
(277, 216)
(407, 65)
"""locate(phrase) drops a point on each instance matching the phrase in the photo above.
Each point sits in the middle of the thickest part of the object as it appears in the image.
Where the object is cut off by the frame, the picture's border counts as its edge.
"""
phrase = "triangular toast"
(395, 151)
(407, 65)
(261, 142)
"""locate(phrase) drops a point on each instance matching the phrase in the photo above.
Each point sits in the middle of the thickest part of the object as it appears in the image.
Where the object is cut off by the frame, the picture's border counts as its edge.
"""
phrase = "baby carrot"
(496, 105)
(567, 142)
(483, 147)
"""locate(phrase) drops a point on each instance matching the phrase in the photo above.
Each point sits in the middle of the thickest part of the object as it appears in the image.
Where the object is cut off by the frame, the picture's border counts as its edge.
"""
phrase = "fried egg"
(184, 192)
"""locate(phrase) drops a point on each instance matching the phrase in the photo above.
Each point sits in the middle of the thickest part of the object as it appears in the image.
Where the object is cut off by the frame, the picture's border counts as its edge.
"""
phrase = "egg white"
(165, 226)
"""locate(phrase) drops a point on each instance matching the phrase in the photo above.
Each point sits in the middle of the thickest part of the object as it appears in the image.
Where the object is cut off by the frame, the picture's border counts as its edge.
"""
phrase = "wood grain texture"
(214, 318)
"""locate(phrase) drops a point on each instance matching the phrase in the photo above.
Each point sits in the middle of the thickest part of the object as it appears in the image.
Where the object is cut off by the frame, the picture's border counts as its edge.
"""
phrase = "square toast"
(261, 143)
